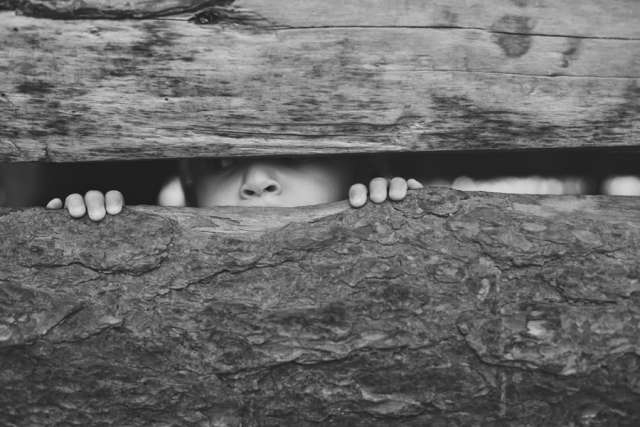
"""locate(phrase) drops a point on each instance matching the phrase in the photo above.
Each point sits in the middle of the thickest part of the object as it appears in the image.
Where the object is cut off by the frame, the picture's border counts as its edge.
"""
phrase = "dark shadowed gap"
(32, 184)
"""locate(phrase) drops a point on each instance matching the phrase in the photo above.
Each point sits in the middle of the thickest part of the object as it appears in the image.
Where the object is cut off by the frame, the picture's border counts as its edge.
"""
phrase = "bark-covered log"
(282, 77)
(448, 308)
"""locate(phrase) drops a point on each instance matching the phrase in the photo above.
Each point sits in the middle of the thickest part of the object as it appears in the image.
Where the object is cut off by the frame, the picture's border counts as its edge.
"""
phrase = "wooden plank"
(92, 90)
(584, 18)
(106, 8)
(448, 308)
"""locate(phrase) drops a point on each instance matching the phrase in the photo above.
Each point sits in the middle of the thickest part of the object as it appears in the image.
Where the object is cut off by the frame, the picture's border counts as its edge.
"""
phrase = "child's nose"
(258, 183)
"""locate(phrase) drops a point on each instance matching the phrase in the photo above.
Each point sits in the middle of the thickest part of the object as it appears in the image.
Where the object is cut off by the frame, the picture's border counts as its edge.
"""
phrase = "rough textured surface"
(275, 77)
(114, 9)
(449, 308)
(584, 18)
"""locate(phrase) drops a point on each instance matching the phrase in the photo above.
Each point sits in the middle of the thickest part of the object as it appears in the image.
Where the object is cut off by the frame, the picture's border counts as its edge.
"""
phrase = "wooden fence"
(448, 308)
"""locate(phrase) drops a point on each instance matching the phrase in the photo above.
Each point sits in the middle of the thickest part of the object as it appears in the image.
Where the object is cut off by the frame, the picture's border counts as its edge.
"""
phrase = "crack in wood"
(449, 27)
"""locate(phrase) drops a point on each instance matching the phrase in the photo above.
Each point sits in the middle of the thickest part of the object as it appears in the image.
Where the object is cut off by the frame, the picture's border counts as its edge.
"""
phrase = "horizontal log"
(583, 18)
(100, 89)
(447, 308)
(114, 9)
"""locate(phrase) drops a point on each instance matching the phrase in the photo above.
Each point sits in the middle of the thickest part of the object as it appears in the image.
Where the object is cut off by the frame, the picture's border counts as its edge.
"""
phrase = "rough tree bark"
(449, 308)
(281, 77)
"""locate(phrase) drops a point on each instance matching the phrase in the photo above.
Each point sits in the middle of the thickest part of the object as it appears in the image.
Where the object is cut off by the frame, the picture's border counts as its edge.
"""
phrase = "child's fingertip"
(97, 214)
(114, 209)
(357, 188)
(358, 201)
(397, 189)
(397, 195)
(378, 189)
(54, 203)
(378, 197)
(414, 184)
(114, 201)
(357, 195)
(76, 211)
(114, 195)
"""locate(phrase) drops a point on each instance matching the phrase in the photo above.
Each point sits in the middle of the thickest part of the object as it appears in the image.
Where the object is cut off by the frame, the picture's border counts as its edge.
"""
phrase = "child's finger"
(378, 190)
(54, 203)
(94, 200)
(414, 184)
(114, 201)
(397, 188)
(75, 205)
(358, 195)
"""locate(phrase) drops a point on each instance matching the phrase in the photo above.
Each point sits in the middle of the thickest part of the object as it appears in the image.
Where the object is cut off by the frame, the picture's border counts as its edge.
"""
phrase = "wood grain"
(583, 18)
(254, 83)
(110, 9)
(449, 307)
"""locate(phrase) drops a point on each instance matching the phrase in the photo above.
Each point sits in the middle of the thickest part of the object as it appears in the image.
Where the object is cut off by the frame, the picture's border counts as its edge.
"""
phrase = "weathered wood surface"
(292, 78)
(587, 18)
(113, 9)
(449, 308)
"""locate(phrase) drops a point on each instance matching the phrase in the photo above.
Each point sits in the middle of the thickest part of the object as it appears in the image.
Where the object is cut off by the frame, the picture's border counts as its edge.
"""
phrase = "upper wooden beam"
(110, 9)
(586, 18)
(265, 78)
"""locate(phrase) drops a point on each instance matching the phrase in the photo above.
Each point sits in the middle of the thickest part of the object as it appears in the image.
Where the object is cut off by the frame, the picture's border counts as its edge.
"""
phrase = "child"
(284, 182)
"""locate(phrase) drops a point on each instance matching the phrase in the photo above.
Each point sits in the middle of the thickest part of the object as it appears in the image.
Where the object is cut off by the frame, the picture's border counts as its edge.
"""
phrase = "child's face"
(273, 181)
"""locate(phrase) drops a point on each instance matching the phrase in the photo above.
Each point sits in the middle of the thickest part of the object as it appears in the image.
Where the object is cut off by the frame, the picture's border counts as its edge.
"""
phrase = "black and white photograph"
(308, 213)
